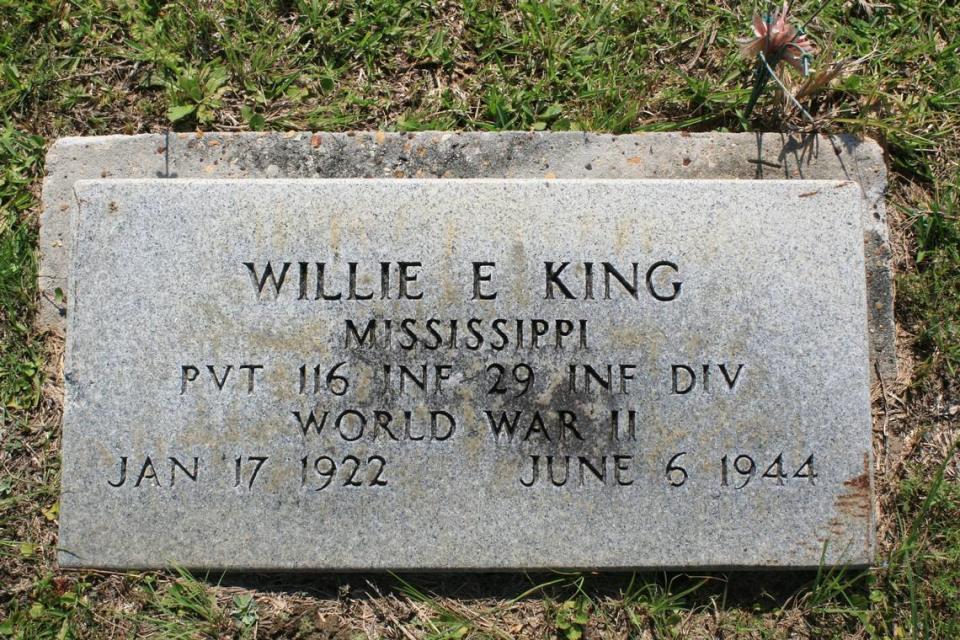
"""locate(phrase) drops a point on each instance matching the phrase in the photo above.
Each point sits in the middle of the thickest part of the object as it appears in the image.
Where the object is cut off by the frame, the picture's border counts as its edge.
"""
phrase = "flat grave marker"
(474, 374)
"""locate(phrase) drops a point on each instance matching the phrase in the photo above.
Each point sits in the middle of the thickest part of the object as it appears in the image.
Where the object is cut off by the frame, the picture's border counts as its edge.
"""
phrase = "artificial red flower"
(779, 40)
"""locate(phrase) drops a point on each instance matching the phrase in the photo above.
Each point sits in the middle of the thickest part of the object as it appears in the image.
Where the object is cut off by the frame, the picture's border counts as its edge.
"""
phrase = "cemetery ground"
(100, 67)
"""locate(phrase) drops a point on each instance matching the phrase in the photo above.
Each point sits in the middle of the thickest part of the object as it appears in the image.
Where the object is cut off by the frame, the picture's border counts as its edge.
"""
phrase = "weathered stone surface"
(762, 283)
(471, 155)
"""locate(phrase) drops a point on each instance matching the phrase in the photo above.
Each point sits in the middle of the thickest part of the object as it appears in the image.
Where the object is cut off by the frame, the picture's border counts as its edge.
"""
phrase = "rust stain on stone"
(861, 483)
(858, 502)
(853, 505)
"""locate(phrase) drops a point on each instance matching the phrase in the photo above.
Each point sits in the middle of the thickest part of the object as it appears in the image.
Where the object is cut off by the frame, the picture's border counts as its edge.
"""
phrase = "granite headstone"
(352, 374)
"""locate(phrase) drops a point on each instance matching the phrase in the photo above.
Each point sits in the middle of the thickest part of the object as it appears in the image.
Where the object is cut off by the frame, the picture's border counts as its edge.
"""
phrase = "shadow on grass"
(752, 589)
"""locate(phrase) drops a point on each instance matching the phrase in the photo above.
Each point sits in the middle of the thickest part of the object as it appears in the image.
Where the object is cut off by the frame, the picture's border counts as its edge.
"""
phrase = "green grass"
(922, 579)
(932, 292)
(21, 359)
(97, 66)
